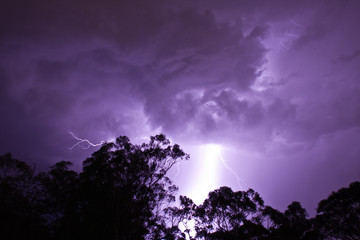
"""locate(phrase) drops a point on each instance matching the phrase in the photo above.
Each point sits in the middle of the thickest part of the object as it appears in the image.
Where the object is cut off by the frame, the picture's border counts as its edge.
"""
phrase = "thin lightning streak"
(177, 169)
(292, 36)
(85, 141)
(283, 45)
(89, 144)
(295, 23)
(230, 169)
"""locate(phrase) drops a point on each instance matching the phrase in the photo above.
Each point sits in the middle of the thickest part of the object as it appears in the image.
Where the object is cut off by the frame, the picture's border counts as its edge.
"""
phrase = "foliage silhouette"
(224, 212)
(293, 223)
(181, 216)
(59, 189)
(339, 215)
(123, 192)
(126, 187)
(20, 209)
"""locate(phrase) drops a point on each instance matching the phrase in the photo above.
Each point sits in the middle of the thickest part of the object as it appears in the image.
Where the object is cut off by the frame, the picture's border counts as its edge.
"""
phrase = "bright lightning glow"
(211, 156)
(207, 177)
(85, 143)
(209, 172)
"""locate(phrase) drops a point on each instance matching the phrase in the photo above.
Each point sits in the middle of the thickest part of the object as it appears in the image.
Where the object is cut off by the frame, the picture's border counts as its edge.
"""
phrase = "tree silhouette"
(228, 215)
(182, 215)
(20, 211)
(59, 199)
(123, 193)
(272, 218)
(293, 224)
(124, 188)
(339, 215)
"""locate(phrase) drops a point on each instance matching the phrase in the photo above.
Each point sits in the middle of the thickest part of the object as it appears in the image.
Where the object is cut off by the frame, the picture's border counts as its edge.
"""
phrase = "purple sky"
(273, 85)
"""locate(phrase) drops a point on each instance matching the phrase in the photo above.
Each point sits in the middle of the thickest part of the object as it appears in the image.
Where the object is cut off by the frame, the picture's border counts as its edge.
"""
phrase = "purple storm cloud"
(273, 85)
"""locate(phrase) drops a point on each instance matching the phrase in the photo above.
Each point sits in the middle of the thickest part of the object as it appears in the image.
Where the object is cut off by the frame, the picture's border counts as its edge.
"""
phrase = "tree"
(228, 215)
(20, 215)
(272, 218)
(123, 193)
(293, 224)
(181, 217)
(339, 215)
(59, 189)
(124, 189)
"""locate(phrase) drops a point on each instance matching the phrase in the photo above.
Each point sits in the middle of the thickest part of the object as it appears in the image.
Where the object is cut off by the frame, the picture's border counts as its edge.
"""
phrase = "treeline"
(123, 192)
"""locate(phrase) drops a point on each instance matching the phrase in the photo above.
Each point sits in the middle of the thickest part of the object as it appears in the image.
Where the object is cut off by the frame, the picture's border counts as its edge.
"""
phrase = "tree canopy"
(123, 192)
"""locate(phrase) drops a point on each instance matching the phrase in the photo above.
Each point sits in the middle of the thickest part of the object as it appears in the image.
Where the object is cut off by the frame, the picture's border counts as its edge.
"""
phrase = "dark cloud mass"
(275, 83)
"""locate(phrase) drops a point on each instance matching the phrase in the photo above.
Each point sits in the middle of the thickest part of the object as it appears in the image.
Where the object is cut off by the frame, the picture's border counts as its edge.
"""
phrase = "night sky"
(262, 94)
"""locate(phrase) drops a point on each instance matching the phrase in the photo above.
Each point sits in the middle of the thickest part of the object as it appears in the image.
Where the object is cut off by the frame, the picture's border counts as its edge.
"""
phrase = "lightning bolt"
(207, 178)
(86, 144)
(177, 169)
(230, 170)
(81, 142)
(216, 149)
(295, 23)
(291, 35)
(283, 45)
